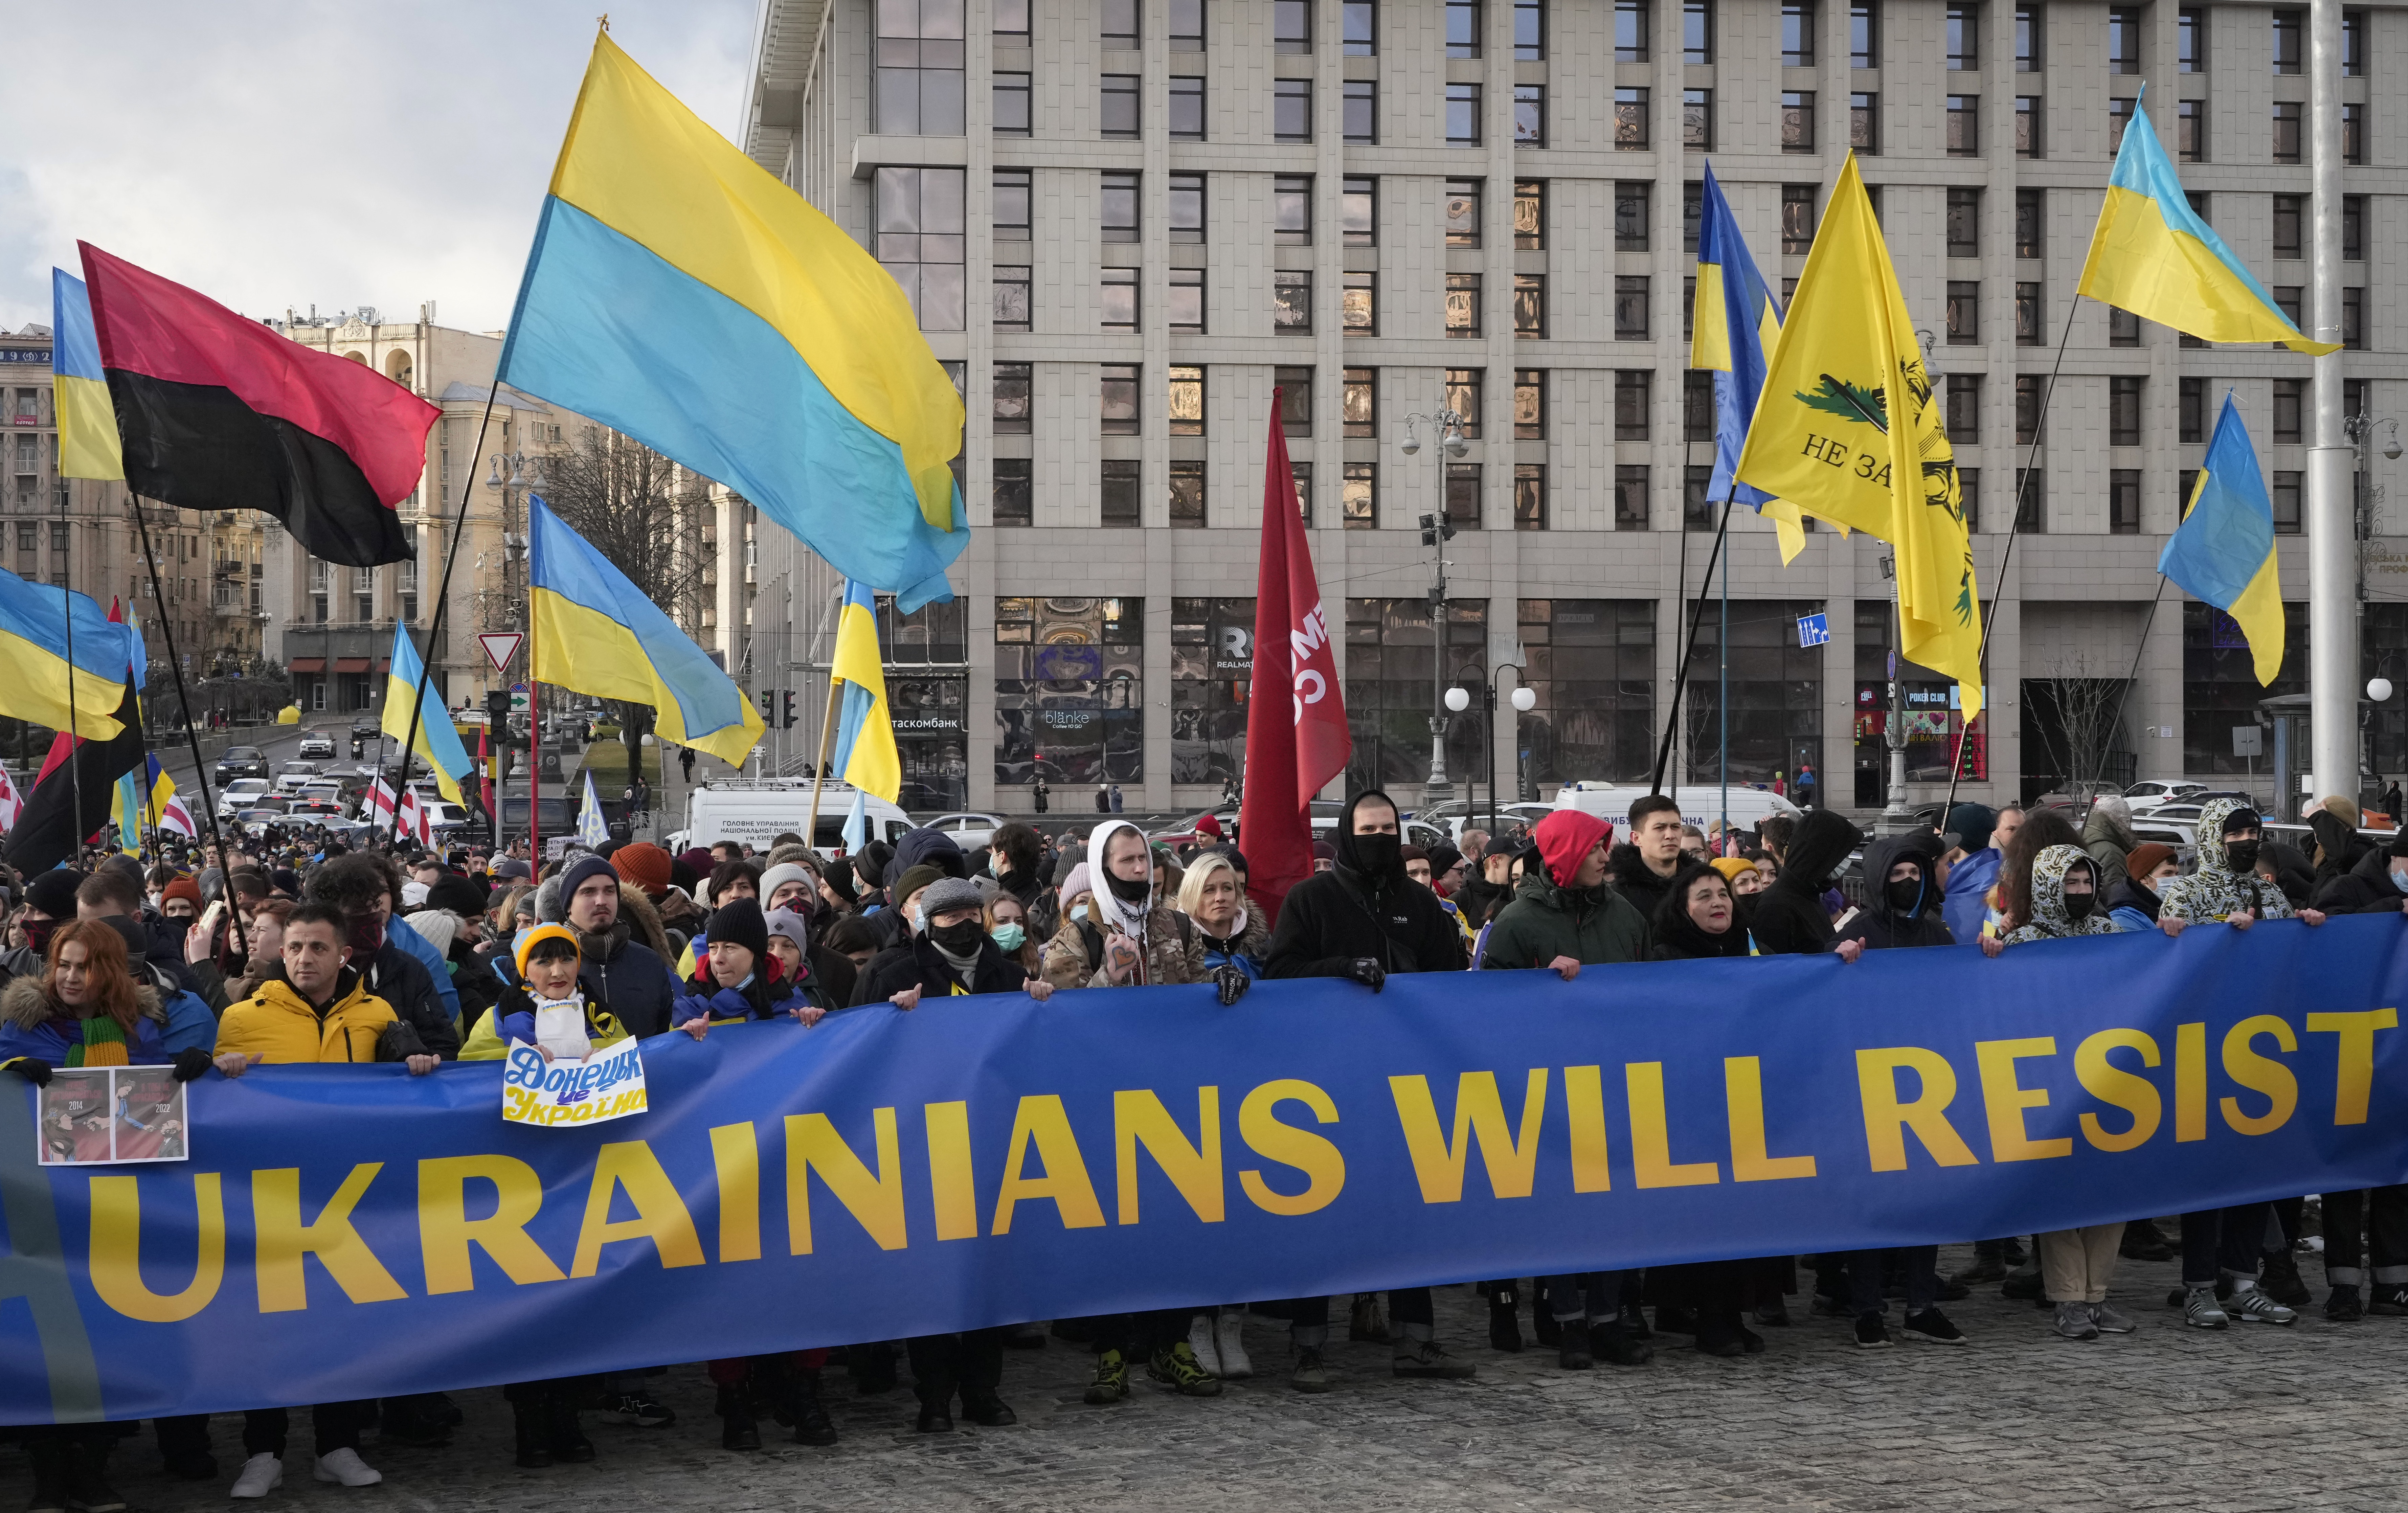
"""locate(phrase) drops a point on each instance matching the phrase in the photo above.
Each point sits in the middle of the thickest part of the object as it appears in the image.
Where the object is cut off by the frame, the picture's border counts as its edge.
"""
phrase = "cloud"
(273, 154)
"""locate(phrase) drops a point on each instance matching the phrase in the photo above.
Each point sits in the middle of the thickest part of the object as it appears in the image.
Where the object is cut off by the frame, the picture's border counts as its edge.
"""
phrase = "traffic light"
(768, 706)
(790, 709)
(497, 705)
(1435, 529)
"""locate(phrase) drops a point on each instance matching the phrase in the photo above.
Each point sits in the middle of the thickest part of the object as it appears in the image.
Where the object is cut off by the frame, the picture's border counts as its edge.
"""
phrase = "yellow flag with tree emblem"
(1847, 429)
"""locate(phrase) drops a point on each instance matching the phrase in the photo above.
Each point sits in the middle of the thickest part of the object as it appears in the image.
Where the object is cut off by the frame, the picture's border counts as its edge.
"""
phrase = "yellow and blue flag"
(88, 444)
(34, 648)
(864, 732)
(595, 632)
(145, 799)
(680, 294)
(2223, 551)
(1735, 325)
(437, 739)
(2153, 255)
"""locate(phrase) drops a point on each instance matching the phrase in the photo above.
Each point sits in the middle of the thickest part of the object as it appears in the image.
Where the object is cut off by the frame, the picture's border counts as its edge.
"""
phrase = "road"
(2255, 1417)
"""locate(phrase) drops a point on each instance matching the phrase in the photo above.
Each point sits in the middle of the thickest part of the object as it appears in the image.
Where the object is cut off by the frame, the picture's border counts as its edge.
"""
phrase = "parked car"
(240, 762)
(1457, 818)
(239, 794)
(971, 831)
(316, 743)
(2150, 793)
(1186, 833)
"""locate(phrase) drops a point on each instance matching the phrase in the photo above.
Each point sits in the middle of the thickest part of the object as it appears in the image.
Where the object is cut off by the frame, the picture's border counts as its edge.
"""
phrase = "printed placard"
(607, 1084)
(106, 1116)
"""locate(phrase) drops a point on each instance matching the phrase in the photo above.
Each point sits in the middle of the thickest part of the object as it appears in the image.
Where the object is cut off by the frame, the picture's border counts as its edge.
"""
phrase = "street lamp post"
(1448, 429)
(1524, 699)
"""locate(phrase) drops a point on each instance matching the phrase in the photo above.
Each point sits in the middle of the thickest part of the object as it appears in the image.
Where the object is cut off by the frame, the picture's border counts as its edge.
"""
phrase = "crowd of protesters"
(273, 955)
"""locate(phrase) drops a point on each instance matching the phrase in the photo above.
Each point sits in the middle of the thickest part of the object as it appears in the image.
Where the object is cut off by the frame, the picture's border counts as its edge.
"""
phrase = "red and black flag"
(220, 412)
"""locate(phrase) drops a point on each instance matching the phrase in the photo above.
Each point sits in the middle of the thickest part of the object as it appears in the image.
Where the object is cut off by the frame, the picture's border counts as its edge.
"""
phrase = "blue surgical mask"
(2400, 880)
(1078, 911)
(1009, 937)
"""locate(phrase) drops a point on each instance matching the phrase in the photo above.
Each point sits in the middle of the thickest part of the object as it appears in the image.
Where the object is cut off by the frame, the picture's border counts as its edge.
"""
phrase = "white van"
(756, 811)
(1701, 804)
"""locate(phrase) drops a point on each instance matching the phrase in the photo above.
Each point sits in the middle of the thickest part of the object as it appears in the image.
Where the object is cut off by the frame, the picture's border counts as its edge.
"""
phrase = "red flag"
(1296, 737)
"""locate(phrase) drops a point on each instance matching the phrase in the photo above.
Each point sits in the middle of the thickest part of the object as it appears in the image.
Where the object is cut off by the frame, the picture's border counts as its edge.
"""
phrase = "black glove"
(1232, 982)
(37, 1072)
(1367, 971)
(192, 1062)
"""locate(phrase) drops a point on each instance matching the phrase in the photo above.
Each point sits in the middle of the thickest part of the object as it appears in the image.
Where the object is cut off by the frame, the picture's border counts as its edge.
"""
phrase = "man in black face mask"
(1363, 920)
(50, 902)
(1906, 910)
(2226, 886)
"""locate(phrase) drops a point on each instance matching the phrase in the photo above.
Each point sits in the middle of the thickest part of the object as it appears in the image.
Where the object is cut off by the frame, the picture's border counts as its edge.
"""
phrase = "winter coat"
(2339, 848)
(2215, 890)
(625, 973)
(395, 977)
(1789, 918)
(2050, 920)
(764, 997)
(2133, 904)
(1591, 925)
(276, 1024)
(397, 931)
(1073, 954)
(1482, 900)
(1330, 919)
(920, 963)
(474, 981)
(1634, 880)
(35, 1027)
(2107, 838)
(2365, 889)
(511, 1022)
(1044, 906)
(1245, 951)
(1881, 927)
(1174, 953)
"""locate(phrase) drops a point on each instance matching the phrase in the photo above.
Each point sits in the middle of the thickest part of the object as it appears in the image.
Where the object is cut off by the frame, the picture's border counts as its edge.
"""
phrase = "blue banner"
(350, 1231)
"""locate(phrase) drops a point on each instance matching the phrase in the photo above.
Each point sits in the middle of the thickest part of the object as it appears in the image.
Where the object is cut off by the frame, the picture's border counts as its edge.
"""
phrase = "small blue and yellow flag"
(88, 444)
(1735, 325)
(437, 739)
(2223, 551)
(864, 732)
(42, 684)
(595, 632)
(2154, 256)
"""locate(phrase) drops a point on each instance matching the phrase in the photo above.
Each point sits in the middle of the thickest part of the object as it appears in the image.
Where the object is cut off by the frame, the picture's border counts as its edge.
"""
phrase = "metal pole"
(1724, 647)
(192, 738)
(1680, 680)
(819, 768)
(1893, 816)
(1438, 789)
(2333, 600)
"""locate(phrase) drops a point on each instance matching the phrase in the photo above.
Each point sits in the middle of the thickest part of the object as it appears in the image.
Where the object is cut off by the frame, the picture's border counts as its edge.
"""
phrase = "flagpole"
(819, 768)
(2125, 693)
(176, 670)
(1671, 722)
(75, 772)
(1679, 587)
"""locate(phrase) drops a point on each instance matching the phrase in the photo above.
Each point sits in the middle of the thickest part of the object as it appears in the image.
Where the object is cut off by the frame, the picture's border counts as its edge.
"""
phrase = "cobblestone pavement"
(2254, 1418)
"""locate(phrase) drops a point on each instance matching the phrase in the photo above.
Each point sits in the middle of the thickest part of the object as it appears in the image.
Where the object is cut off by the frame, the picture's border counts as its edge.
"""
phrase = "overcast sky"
(277, 152)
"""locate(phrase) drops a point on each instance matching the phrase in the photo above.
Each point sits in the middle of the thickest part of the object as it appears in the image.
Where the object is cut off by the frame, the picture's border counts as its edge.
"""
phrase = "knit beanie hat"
(185, 888)
(912, 882)
(948, 893)
(580, 872)
(459, 894)
(738, 923)
(437, 927)
(1079, 881)
(783, 873)
(1731, 866)
(838, 877)
(794, 926)
(53, 891)
(533, 935)
(644, 864)
(2147, 858)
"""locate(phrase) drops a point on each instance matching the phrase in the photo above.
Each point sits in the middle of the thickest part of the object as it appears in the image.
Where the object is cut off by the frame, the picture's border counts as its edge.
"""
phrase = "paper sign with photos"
(104, 1115)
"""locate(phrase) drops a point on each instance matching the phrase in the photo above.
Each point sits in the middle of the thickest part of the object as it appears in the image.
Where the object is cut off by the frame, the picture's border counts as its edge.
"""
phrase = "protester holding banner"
(362, 887)
(2132, 898)
(1790, 919)
(1213, 895)
(1699, 917)
(618, 969)
(737, 979)
(2376, 884)
(1642, 868)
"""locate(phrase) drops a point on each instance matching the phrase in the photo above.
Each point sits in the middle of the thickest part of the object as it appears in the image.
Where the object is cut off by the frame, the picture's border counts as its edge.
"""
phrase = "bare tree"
(648, 517)
(2088, 713)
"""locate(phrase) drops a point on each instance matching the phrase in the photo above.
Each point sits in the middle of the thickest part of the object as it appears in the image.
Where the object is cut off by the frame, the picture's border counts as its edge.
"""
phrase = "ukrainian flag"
(865, 732)
(2223, 551)
(33, 641)
(2154, 256)
(595, 632)
(142, 801)
(679, 293)
(88, 445)
(438, 740)
(1735, 325)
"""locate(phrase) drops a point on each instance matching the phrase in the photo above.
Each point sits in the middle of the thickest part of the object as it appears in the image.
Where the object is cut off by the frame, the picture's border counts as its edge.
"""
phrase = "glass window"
(1292, 109)
(1186, 25)
(1390, 671)
(2290, 48)
(1463, 115)
(2124, 410)
(1069, 678)
(2284, 496)
(1361, 123)
(1797, 120)
(1630, 119)
(1964, 223)
(1211, 672)
(1964, 419)
(1630, 31)
(1360, 21)
(2031, 38)
(1529, 496)
(2124, 27)
(1592, 665)
(1358, 211)
(1964, 38)
(1010, 105)
(1292, 301)
(2032, 318)
(1120, 223)
(2029, 388)
(1296, 399)
(1630, 404)
(2123, 328)
(1185, 294)
(2353, 132)
(1529, 115)
(1012, 297)
(1530, 30)
(2288, 215)
(1631, 198)
(1011, 21)
(1463, 496)
(1014, 399)
(1301, 473)
(2353, 44)
(1359, 402)
(1797, 34)
(1187, 494)
(1358, 302)
(1291, 209)
(1630, 307)
(2031, 117)
(2289, 119)
(1014, 491)
(1120, 479)
(2119, 116)
(1864, 35)
(1120, 25)
(1964, 125)
(1186, 207)
(1631, 496)
(1462, 212)
(1530, 215)
(1120, 105)
(1697, 120)
(2190, 129)
(2353, 319)
(1697, 32)
(1186, 108)
(2289, 299)
(1529, 405)
(1358, 497)
(2220, 689)
(2031, 501)
(1012, 203)
(2290, 410)
(1463, 305)
(919, 84)
(1697, 511)
(1292, 25)
(920, 240)
(2032, 238)
(1120, 386)
(1463, 28)
(1120, 299)
(1797, 219)
(1692, 215)
(1463, 386)
(2190, 423)
(1964, 312)
(1530, 305)
(1864, 123)
(2353, 228)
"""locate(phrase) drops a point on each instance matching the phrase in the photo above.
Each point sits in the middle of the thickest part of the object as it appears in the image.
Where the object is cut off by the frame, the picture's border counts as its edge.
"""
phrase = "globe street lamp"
(1524, 699)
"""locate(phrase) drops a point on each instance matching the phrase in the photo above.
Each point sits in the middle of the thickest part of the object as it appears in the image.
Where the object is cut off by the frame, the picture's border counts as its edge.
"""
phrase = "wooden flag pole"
(819, 768)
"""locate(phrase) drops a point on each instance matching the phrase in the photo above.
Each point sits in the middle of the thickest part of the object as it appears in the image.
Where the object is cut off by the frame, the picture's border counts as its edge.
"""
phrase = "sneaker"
(1177, 1369)
(2142, 1241)
(1229, 1340)
(1202, 1340)
(2387, 1299)
(1931, 1327)
(1608, 1340)
(2109, 1321)
(1572, 1353)
(2250, 1305)
(1872, 1332)
(1368, 1321)
(2026, 1283)
(1312, 1374)
(344, 1465)
(1504, 1328)
(2344, 1306)
(260, 1475)
(1111, 1379)
(638, 1408)
(2074, 1321)
(2279, 1279)
(1428, 1359)
(2201, 1310)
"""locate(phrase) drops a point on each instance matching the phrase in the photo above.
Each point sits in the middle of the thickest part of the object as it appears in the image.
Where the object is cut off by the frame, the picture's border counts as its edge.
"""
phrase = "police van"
(1701, 804)
(756, 811)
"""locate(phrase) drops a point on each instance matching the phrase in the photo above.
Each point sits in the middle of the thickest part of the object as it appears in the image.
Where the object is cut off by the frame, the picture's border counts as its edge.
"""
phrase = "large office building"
(1125, 224)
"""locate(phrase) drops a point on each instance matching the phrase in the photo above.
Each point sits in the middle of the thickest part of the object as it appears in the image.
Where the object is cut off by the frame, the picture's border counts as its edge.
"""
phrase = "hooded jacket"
(2050, 920)
(1635, 881)
(1680, 939)
(1549, 918)
(919, 963)
(1789, 918)
(2367, 887)
(276, 1024)
(34, 1027)
(1882, 927)
(1245, 951)
(767, 994)
(2133, 904)
(2217, 890)
(2339, 846)
(2107, 836)
(1330, 919)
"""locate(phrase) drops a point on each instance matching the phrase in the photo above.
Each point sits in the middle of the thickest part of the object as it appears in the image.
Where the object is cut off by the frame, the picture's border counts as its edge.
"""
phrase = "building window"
(2289, 116)
(1012, 297)
(1292, 301)
(1120, 386)
(1014, 491)
(1120, 26)
(2030, 224)
(1697, 510)
(1697, 120)
(1186, 207)
(2284, 496)
(2030, 139)
(2353, 319)
(1964, 312)
(2124, 501)
(1965, 408)
(2191, 422)
(2220, 688)
(1462, 212)
(1529, 115)
(2289, 216)
(1463, 305)
(1069, 689)
(1463, 115)
(2031, 38)
(1120, 481)
(1010, 105)
(1697, 405)
(1969, 493)
(1630, 307)
(2029, 387)
(1463, 28)
(1120, 105)
(1296, 399)
(1187, 495)
(1301, 473)
(1014, 402)
(2124, 410)
(1531, 31)
(1186, 108)
(1864, 123)
(1530, 305)
(1964, 223)
(2290, 40)
(1630, 119)
(1291, 210)
(2353, 228)
(1292, 109)
(2290, 406)
(919, 70)
(1630, 404)
(1964, 38)
(1697, 32)
(2190, 40)
(2031, 501)
(1632, 24)
(1292, 25)
(2190, 129)
(1186, 25)
(1693, 218)
(2124, 24)
(1359, 212)
(1463, 388)
(1529, 405)
(1529, 496)
(1012, 205)
(1797, 120)
(1463, 496)
(1012, 22)
(1964, 125)
(1390, 665)
(1358, 302)
(1797, 34)
(1592, 665)
(2031, 317)
(1118, 297)
(1529, 215)
(2119, 115)
(1120, 213)
(2123, 328)
(1360, 117)
(920, 240)
(2353, 44)
(1797, 220)
(1358, 23)
(1631, 200)
(2353, 133)
(1186, 301)
(1359, 403)
(1631, 496)
(1358, 496)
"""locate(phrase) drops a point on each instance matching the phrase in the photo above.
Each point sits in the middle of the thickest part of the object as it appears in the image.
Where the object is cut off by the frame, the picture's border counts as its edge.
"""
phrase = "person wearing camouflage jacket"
(2053, 906)
(2227, 882)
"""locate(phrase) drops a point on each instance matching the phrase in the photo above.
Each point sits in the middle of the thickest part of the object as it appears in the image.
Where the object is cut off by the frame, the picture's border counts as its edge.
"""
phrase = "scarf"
(599, 946)
(101, 1043)
(560, 1027)
(963, 965)
(1116, 912)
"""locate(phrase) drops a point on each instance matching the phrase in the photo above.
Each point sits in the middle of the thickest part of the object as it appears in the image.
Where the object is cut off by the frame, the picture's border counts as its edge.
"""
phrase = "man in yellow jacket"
(313, 1008)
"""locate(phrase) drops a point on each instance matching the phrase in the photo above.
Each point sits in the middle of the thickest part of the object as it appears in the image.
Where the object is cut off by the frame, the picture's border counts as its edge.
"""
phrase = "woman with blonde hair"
(1234, 934)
